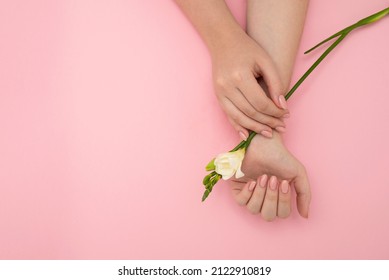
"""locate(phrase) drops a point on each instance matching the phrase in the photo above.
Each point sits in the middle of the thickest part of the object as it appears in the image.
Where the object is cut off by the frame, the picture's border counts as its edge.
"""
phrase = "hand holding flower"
(237, 62)
(236, 68)
(300, 178)
(266, 158)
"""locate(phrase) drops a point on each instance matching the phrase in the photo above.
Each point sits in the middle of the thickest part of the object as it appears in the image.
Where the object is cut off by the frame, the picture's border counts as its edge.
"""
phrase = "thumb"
(272, 82)
(242, 191)
(303, 191)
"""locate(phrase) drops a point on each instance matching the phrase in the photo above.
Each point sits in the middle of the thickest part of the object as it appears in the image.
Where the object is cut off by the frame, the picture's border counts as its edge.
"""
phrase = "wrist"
(224, 37)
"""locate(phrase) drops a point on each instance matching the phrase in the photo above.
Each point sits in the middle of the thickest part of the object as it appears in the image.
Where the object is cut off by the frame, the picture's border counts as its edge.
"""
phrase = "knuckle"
(235, 117)
(263, 106)
(251, 112)
(221, 82)
(271, 122)
(237, 76)
(257, 128)
(276, 122)
(272, 197)
(284, 199)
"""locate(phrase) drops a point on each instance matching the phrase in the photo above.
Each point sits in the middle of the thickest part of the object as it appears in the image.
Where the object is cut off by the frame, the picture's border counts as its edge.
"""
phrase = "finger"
(273, 81)
(267, 132)
(254, 205)
(269, 207)
(238, 120)
(242, 195)
(303, 191)
(284, 200)
(240, 101)
(243, 132)
(258, 98)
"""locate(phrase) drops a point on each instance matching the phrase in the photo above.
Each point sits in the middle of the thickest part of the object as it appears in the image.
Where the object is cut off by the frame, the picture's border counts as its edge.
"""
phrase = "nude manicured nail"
(251, 186)
(283, 104)
(267, 134)
(280, 129)
(284, 187)
(263, 181)
(273, 183)
(242, 135)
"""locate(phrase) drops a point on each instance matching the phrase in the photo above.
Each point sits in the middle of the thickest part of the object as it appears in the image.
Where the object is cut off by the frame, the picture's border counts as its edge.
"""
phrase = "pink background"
(108, 117)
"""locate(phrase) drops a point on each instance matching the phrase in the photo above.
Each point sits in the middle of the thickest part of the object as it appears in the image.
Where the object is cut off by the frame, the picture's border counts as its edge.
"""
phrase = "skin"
(269, 158)
(251, 73)
(277, 27)
(237, 62)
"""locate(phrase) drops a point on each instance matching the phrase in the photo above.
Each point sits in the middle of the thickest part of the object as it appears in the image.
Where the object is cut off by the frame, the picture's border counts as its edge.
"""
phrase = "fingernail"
(263, 181)
(267, 134)
(285, 187)
(286, 116)
(283, 104)
(280, 129)
(242, 135)
(251, 186)
(273, 183)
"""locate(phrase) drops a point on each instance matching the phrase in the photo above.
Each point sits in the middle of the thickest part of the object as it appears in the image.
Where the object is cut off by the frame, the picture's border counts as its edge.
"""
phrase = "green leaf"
(210, 166)
(208, 178)
(210, 185)
(205, 195)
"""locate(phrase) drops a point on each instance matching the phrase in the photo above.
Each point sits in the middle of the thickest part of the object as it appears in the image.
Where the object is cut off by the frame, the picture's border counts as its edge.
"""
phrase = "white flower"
(228, 164)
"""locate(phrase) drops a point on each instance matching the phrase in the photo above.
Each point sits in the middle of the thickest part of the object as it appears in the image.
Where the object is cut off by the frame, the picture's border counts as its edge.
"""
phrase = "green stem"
(367, 20)
(245, 143)
(343, 33)
(329, 38)
(239, 146)
(210, 180)
(317, 62)
(251, 136)
(374, 17)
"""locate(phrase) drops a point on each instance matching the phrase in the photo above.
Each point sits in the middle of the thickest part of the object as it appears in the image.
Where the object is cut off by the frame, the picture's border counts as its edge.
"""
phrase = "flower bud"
(229, 164)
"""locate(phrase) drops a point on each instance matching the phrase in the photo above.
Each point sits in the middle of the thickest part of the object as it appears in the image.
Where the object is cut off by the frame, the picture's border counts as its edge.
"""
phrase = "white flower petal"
(239, 173)
(228, 164)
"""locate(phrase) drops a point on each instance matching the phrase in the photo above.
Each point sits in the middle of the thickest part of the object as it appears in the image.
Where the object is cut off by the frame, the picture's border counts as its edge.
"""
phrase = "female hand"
(266, 196)
(237, 64)
(270, 159)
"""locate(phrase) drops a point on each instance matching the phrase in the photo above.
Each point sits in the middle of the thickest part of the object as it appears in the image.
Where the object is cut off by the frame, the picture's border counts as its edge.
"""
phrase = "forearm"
(277, 26)
(213, 21)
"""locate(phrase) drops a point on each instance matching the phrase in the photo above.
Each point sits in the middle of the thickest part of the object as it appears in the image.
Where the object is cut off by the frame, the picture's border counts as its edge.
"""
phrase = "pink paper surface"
(108, 117)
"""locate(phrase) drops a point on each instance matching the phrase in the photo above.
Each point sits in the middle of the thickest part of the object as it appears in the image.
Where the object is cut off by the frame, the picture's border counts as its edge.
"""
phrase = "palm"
(270, 156)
